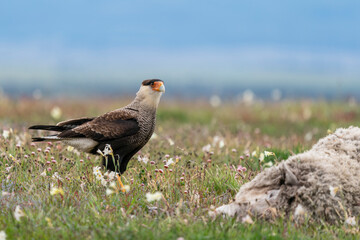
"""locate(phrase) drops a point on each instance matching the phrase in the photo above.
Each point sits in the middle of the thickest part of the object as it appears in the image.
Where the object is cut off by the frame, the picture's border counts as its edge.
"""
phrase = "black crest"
(150, 81)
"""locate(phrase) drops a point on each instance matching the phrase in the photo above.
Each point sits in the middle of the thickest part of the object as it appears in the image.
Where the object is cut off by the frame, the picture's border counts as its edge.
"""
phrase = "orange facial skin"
(158, 86)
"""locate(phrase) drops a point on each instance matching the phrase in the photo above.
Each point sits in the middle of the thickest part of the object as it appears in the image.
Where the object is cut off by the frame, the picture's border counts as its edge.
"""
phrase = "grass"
(197, 182)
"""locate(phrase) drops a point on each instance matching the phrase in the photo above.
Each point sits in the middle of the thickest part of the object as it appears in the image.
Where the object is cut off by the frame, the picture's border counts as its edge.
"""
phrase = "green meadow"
(197, 160)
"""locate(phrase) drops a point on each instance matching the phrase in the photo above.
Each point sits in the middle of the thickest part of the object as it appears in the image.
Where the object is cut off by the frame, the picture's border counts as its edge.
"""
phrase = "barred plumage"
(126, 129)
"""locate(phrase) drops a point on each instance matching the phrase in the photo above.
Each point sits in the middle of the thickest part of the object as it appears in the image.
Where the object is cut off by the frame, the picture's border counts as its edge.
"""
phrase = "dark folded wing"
(72, 123)
(103, 129)
(62, 126)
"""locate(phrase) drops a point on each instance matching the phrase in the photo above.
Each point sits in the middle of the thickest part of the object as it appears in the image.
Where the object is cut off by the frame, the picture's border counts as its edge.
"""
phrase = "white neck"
(147, 96)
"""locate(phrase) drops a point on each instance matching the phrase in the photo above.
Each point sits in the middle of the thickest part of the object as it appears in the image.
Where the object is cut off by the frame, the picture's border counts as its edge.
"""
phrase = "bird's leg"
(120, 183)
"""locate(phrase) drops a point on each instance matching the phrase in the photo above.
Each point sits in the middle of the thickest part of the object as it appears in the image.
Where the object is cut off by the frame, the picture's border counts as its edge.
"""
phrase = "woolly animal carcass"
(324, 182)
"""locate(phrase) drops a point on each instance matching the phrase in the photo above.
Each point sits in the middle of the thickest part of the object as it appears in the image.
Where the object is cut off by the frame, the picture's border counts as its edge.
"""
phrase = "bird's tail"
(48, 128)
(50, 138)
(38, 139)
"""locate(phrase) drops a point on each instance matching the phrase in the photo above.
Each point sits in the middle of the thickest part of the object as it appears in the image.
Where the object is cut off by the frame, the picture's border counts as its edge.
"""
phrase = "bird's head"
(156, 85)
(151, 91)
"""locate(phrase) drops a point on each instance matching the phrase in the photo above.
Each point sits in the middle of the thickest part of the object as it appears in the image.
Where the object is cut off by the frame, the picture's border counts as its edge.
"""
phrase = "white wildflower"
(12, 158)
(110, 175)
(55, 190)
(56, 176)
(43, 174)
(103, 182)
(8, 178)
(3, 193)
(206, 148)
(76, 151)
(109, 191)
(99, 176)
(262, 157)
(215, 141)
(308, 136)
(169, 162)
(96, 170)
(154, 136)
(299, 211)
(268, 164)
(171, 142)
(108, 150)
(150, 197)
(195, 197)
(350, 221)
(6, 134)
(247, 219)
(82, 185)
(144, 159)
(112, 185)
(2, 235)
(56, 113)
(127, 188)
(113, 188)
(221, 143)
(18, 213)
(254, 154)
(267, 153)
(333, 190)
(218, 141)
(48, 220)
(70, 148)
(97, 173)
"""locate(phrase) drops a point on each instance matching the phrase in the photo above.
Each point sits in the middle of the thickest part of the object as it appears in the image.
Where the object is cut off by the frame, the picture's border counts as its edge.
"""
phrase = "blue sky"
(248, 43)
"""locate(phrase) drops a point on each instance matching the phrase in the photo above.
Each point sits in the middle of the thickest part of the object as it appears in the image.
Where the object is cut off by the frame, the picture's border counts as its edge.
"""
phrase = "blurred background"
(213, 49)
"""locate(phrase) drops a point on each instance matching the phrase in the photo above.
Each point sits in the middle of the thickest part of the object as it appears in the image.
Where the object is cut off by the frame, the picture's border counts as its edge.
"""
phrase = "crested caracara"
(126, 129)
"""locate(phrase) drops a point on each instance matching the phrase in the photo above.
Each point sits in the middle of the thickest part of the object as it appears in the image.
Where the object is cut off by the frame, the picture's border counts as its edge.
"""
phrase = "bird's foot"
(122, 188)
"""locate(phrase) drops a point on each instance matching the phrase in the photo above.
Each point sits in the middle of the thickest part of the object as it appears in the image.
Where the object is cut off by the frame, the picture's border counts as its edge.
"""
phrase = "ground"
(62, 195)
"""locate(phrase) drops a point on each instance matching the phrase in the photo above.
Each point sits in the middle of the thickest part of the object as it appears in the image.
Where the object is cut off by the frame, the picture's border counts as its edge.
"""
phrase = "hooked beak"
(158, 86)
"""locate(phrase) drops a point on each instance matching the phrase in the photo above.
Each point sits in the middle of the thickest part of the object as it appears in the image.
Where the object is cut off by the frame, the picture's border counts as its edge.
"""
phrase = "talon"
(122, 188)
